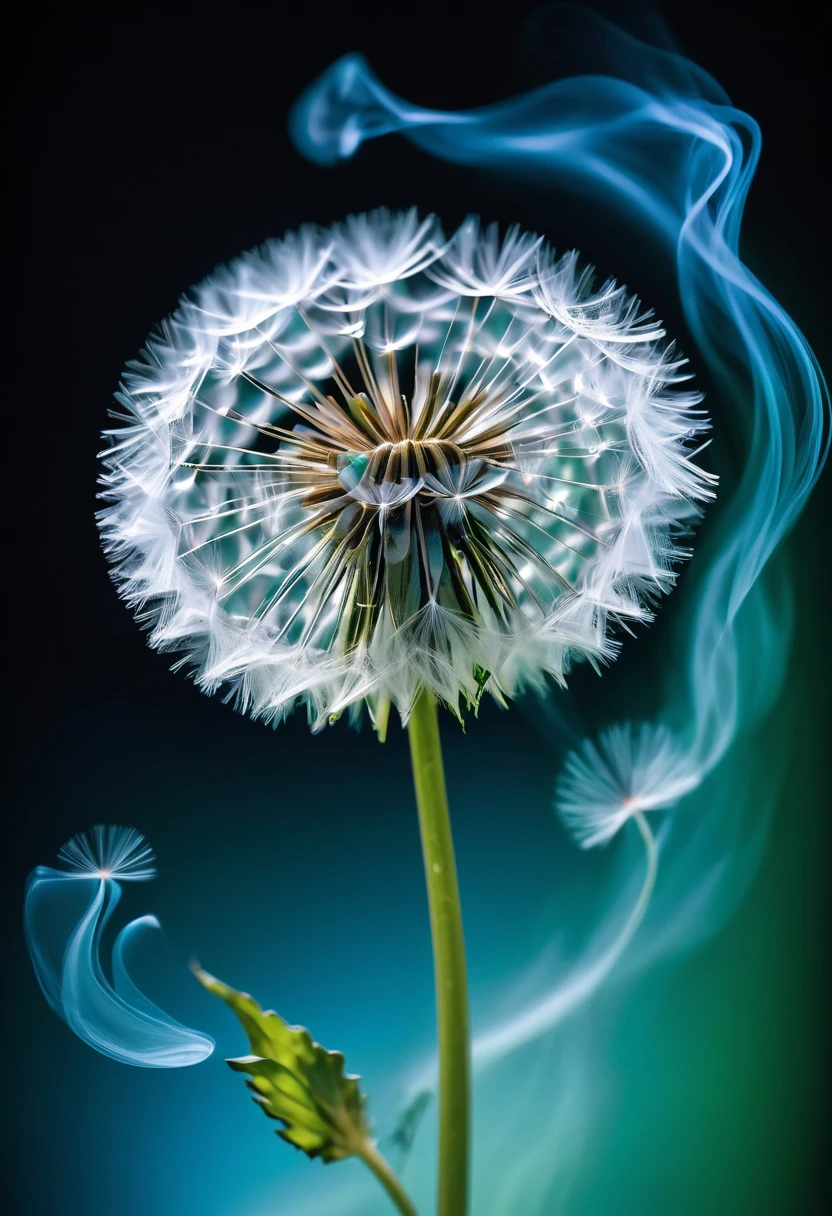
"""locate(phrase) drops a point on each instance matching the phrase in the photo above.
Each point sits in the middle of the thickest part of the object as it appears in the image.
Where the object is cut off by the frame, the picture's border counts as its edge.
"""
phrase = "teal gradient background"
(289, 864)
(291, 867)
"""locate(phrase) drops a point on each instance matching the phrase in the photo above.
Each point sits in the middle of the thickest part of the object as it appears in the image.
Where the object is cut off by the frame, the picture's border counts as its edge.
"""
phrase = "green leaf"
(297, 1081)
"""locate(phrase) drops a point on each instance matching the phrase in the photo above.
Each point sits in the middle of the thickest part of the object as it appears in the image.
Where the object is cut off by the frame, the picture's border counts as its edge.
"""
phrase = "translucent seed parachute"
(64, 933)
(629, 770)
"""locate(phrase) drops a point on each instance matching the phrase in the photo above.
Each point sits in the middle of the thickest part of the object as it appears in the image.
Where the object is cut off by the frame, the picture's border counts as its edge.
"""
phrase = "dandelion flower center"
(423, 479)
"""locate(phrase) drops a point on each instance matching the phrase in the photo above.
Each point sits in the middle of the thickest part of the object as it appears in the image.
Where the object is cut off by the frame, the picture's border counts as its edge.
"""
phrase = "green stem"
(374, 1161)
(448, 957)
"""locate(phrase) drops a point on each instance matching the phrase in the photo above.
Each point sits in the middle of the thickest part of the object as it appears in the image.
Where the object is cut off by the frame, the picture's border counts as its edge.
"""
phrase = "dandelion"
(369, 461)
(373, 466)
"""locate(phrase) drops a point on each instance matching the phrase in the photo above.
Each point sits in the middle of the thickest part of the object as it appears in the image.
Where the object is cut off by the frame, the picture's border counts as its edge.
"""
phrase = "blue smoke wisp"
(672, 151)
(665, 146)
(116, 1019)
(653, 137)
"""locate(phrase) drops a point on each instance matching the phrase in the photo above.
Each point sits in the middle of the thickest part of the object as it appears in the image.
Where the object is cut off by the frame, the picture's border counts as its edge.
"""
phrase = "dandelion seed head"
(367, 460)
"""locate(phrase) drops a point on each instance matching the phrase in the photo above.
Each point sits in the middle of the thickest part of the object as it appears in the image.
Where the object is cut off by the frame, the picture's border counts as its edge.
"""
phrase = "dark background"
(148, 143)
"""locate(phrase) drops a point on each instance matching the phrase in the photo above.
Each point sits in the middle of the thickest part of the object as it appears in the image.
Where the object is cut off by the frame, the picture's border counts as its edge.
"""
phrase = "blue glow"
(654, 137)
(657, 138)
(116, 1019)
(675, 152)
(671, 151)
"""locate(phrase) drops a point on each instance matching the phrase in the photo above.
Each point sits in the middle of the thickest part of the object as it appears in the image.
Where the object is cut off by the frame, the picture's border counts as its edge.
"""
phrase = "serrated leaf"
(296, 1080)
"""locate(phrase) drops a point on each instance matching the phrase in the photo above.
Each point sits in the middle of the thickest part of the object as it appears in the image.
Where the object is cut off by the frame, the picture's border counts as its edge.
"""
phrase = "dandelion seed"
(630, 770)
(109, 852)
(115, 1018)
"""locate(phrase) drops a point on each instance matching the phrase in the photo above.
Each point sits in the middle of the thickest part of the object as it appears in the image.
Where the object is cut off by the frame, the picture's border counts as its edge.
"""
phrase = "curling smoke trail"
(655, 138)
(661, 142)
(673, 151)
(493, 1045)
(116, 1019)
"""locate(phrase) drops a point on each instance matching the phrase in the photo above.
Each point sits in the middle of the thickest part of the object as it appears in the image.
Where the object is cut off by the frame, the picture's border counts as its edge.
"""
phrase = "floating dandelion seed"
(115, 1018)
(630, 770)
(109, 852)
(368, 461)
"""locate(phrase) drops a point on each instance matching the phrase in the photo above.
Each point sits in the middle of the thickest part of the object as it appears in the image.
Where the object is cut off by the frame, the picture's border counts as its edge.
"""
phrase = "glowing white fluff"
(366, 460)
(631, 769)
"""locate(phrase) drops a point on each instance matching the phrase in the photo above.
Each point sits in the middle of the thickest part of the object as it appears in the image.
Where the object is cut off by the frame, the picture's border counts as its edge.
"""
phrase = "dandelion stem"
(372, 1158)
(448, 955)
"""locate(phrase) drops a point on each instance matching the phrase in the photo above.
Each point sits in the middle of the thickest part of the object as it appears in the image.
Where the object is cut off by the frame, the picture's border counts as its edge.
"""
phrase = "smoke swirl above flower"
(368, 460)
